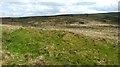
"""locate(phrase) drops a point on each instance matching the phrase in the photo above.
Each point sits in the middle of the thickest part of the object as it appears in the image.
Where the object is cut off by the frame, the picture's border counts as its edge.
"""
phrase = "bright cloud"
(53, 7)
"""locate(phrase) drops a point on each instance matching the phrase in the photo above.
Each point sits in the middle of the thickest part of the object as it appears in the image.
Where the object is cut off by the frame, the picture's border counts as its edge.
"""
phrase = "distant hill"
(111, 18)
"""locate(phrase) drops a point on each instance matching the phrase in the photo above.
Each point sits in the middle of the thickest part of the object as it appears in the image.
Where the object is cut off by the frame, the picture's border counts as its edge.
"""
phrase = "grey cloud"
(40, 8)
(50, 10)
(85, 3)
(119, 6)
(21, 9)
(15, 3)
(51, 4)
(35, 3)
(106, 8)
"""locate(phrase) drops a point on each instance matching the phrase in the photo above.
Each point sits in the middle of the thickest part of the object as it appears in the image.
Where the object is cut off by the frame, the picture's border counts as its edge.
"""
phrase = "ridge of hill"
(109, 18)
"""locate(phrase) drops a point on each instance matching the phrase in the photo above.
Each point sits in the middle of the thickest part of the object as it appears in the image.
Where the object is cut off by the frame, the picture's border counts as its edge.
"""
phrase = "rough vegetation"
(54, 40)
(33, 46)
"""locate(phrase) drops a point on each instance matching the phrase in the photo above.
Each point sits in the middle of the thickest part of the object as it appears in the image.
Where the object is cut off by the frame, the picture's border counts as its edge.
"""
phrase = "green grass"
(58, 47)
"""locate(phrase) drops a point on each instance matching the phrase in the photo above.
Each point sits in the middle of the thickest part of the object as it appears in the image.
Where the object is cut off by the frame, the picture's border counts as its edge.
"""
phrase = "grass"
(33, 46)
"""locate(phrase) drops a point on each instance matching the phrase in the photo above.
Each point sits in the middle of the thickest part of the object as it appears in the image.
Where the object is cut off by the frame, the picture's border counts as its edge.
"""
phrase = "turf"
(33, 46)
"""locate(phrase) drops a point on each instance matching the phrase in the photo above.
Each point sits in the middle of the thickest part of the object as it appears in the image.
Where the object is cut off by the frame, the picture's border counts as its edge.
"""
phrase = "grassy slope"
(33, 46)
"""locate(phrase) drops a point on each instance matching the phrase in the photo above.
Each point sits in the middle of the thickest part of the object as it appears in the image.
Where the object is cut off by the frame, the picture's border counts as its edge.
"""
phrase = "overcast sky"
(13, 8)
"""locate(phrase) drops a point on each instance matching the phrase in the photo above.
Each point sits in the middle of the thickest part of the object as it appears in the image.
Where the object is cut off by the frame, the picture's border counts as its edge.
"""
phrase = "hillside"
(85, 39)
(109, 18)
(51, 47)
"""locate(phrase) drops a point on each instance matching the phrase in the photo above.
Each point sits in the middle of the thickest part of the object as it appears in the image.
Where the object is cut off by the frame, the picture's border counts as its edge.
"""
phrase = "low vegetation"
(37, 46)
(86, 39)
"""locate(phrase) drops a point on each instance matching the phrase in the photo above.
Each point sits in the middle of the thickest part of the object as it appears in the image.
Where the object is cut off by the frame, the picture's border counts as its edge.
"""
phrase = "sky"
(20, 8)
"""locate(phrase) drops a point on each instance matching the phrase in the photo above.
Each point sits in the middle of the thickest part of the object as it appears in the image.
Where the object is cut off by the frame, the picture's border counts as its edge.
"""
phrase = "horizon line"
(55, 15)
